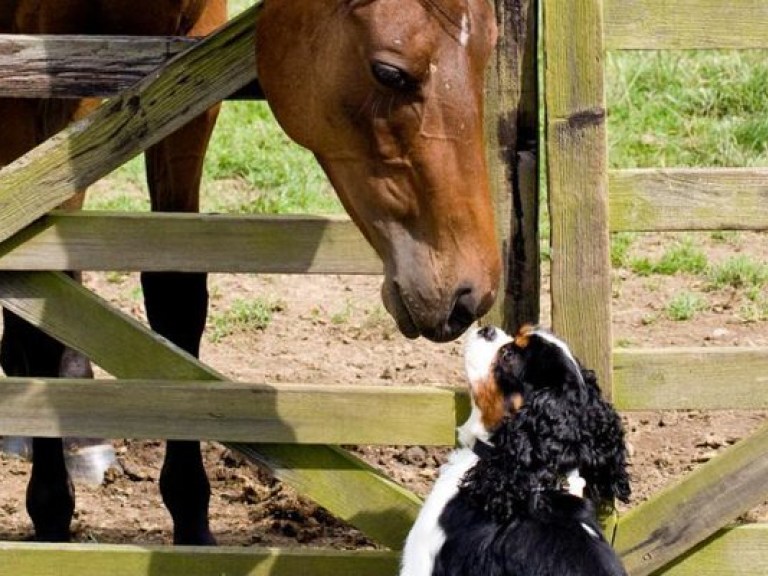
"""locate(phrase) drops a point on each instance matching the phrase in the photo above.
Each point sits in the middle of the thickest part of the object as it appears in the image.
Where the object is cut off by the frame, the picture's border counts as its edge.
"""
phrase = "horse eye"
(393, 77)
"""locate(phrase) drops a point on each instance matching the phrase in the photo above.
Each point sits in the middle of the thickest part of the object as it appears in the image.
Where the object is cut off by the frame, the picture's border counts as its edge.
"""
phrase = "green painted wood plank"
(741, 551)
(691, 378)
(234, 411)
(32, 559)
(578, 187)
(360, 494)
(128, 124)
(660, 530)
(191, 243)
(685, 24)
(689, 199)
(61, 307)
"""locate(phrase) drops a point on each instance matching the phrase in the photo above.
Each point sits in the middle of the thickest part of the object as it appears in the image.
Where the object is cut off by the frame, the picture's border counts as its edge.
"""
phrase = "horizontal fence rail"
(77, 66)
(191, 243)
(122, 560)
(683, 199)
(691, 378)
(685, 24)
(228, 411)
(741, 551)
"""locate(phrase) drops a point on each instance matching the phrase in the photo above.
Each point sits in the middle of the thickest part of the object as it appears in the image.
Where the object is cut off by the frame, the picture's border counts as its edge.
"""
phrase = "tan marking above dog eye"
(523, 337)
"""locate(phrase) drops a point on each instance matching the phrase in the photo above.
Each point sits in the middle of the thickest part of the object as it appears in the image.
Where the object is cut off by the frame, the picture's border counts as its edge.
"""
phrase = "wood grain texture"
(741, 551)
(685, 24)
(190, 243)
(656, 532)
(233, 411)
(511, 128)
(128, 124)
(689, 199)
(54, 66)
(578, 191)
(691, 379)
(67, 311)
(33, 559)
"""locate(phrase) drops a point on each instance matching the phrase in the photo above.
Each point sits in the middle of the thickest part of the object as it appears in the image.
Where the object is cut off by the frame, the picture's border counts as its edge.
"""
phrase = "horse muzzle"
(434, 320)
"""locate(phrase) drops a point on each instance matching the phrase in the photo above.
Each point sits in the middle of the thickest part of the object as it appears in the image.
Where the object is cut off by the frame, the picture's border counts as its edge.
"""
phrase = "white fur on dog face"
(480, 353)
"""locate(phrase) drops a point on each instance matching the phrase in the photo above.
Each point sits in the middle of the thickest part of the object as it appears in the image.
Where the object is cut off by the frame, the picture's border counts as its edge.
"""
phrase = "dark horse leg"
(26, 351)
(176, 306)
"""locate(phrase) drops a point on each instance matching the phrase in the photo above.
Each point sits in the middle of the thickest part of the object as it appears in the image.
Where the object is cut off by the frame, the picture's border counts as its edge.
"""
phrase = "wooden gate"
(679, 530)
(188, 399)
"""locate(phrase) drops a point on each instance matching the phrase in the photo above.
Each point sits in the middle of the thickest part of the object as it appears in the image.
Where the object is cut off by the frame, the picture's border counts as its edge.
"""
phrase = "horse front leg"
(177, 304)
(24, 352)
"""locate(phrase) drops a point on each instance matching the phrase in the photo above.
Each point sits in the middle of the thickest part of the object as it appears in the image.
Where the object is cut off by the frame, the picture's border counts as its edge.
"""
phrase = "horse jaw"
(408, 167)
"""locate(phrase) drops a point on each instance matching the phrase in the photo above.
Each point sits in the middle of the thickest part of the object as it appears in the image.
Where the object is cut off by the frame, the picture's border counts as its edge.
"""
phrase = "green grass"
(242, 316)
(693, 108)
(684, 306)
(738, 272)
(683, 257)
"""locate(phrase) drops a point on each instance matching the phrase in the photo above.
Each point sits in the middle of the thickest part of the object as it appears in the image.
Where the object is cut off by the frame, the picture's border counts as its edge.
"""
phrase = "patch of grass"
(681, 258)
(684, 306)
(687, 108)
(242, 316)
(249, 146)
(621, 242)
(738, 272)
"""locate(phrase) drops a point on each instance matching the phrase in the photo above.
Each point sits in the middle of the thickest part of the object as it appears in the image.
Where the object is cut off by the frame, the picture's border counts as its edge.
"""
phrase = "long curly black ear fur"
(603, 463)
(558, 429)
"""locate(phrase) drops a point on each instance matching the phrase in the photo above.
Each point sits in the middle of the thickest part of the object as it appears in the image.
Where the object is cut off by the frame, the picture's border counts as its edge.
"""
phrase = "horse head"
(388, 94)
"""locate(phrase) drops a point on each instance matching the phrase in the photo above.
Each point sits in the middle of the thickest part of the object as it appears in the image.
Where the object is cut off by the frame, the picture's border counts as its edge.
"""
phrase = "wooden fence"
(587, 203)
(676, 532)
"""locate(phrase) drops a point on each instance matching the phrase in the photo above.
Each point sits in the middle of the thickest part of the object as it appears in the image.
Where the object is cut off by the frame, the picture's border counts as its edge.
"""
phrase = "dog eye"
(393, 77)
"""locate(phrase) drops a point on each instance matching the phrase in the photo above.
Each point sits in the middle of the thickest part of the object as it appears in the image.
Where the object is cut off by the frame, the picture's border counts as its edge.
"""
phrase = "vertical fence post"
(577, 180)
(511, 121)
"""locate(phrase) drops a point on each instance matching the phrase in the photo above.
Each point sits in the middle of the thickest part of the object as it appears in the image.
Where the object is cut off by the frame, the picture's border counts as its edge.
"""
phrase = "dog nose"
(487, 333)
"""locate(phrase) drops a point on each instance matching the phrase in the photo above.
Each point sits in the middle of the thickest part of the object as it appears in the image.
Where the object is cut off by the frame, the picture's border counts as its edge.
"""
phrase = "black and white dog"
(540, 450)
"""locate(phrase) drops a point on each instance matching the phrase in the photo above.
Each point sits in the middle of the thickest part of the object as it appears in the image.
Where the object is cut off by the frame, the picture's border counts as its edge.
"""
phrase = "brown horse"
(388, 95)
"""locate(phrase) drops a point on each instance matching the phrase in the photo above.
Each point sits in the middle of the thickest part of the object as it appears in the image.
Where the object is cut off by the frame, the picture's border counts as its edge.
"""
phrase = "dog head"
(502, 371)
(544, 416)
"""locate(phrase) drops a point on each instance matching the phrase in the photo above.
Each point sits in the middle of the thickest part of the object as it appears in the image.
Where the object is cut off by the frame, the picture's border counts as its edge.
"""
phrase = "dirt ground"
(333, 329)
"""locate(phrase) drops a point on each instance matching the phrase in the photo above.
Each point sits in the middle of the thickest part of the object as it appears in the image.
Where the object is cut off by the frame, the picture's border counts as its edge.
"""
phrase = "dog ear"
(604, 465)
(527, 460)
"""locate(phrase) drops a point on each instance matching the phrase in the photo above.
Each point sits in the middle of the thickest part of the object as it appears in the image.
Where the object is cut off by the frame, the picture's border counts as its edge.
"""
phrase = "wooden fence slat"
(128, 124)
(658, 531)
(685, 24)
(511, 136)
(67, 311)
(191, 243)
(56, 66)
(23, 559)
(577, 180)
(741, 551)
(691, 378)
(689, 199)
(234, 411)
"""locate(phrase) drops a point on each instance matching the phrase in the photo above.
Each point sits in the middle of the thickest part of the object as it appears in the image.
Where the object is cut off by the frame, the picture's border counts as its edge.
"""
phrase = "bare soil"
(332, 329)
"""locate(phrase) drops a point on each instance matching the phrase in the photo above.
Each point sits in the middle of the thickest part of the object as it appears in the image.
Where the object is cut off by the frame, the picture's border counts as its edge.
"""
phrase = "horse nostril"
(464, 311)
